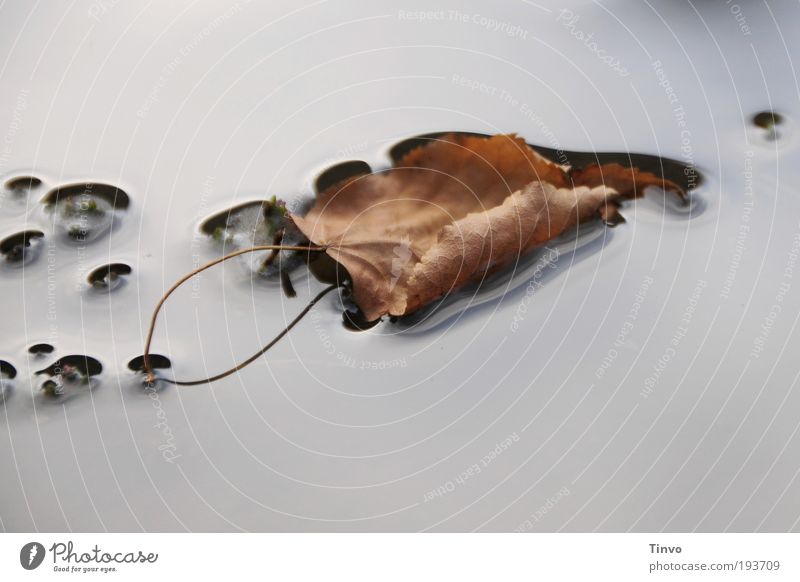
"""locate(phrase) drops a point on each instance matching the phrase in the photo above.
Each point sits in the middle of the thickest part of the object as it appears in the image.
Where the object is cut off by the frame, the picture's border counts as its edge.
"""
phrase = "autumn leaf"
(453, 210)
(447, 213)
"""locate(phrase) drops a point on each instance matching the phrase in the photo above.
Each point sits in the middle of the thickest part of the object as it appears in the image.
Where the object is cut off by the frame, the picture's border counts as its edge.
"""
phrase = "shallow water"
(644, 381)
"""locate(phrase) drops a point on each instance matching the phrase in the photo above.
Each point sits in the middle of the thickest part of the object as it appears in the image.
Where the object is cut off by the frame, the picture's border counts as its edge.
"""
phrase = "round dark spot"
(109, 276)
(7, 371)
(340, 172)
(20, 247)
(157, 362)
(41, 349)
(70, 366)
(23, 183)
(767, 119)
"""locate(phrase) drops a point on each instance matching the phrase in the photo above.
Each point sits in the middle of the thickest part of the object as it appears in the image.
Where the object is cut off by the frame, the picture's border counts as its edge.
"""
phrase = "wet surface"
(83, 366)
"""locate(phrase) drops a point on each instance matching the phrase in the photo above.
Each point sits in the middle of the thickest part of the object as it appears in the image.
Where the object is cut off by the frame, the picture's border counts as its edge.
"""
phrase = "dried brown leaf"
(452, 210)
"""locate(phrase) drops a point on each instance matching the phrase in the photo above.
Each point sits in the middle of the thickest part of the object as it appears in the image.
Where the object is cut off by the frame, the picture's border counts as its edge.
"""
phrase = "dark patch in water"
(339, 172)
(7, 371)
(355, 321)
(23, 183)
(115, 197)
(256, 223)
(614, 219)
(69, 376)
(286, 285)
(157, 362)
(84, 212)
(87, 366)
(213, 224)
(7, 374)
(41, 349)
(327, 270)
(769, 121)
(17, 247)
(678, 172)
(108, 277)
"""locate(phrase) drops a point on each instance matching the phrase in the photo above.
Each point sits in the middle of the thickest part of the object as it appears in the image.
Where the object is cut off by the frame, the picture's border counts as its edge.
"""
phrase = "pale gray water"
(193, 107)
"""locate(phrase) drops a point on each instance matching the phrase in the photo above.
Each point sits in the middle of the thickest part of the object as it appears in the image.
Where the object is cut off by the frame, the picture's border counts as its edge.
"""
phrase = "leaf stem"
(151, 377)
